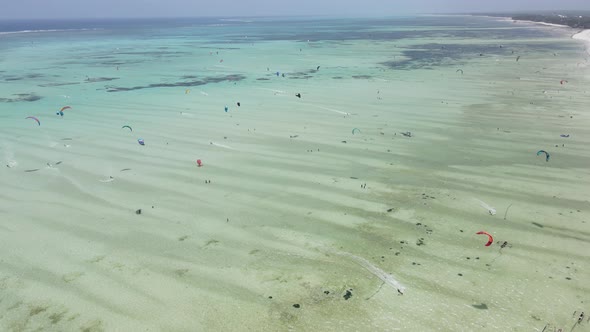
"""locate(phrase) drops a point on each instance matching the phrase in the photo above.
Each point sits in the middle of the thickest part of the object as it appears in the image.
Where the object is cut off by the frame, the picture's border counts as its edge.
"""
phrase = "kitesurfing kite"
(459, 70)
(61, 111)
(34, 118)
(357, 130)
(490, 238)
(546, 154)
(126, 126)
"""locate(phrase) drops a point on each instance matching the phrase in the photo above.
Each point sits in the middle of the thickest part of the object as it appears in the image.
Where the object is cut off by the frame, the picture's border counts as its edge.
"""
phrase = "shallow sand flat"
(279, 208)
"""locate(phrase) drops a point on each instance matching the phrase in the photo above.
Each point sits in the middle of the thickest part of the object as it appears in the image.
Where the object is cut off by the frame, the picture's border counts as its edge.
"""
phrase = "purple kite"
(34, 118)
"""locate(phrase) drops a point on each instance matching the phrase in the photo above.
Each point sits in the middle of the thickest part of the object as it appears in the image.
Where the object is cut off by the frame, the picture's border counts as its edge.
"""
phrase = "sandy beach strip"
(545, 24)
(510, 19)
(584, 35)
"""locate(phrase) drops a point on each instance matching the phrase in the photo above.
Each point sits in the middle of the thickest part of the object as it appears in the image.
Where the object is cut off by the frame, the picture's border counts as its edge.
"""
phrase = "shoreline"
(542, 23)
(584, 36)
(509, 18)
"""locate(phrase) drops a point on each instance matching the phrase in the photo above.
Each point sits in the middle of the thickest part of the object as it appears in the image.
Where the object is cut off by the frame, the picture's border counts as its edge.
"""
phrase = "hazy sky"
(196, 8)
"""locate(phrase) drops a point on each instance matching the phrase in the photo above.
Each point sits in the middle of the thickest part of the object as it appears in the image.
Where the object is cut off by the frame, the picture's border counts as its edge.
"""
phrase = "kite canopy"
(355, 129)
(126, 126)
(65, 108)
(459, 70)
(547, 156)
(490, 238)
(34, 118)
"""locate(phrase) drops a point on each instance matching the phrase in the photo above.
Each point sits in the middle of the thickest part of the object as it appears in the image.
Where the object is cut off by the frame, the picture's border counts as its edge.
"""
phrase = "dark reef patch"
(45, 85)
(206, 80)
(428, 56)
(23, 77)
(99, 79)
(482, 306)
(21, 97)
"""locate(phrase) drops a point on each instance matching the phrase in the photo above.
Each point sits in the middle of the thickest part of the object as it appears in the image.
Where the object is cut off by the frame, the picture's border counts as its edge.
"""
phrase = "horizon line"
(290, 16)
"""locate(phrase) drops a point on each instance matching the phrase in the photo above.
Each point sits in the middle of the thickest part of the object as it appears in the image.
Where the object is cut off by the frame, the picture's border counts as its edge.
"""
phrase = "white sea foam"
(491, 210)
(329, 109)
(221, 145)
(46, 31)
(376, 271)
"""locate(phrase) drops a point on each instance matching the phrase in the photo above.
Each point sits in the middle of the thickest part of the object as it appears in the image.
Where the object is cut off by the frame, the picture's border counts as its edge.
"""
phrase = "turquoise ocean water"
(292, 206)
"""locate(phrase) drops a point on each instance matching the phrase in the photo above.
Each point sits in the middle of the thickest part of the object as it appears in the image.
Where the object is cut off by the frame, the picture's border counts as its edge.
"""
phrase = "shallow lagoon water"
(293, 195)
